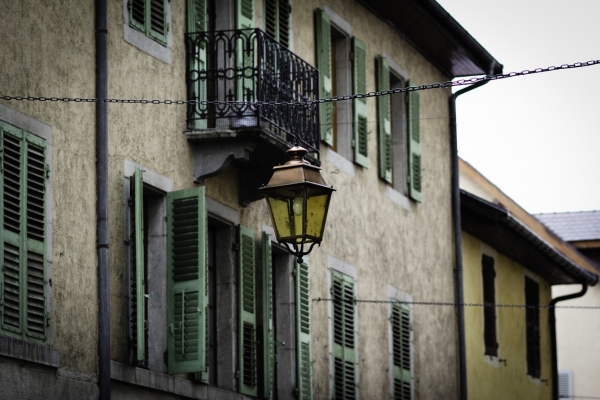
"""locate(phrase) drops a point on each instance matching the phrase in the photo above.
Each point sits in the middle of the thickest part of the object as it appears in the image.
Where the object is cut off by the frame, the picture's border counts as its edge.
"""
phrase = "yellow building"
(506, 262)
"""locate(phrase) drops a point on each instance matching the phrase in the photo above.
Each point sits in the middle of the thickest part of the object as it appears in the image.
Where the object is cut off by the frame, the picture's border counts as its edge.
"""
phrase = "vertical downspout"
(456, 215)
(102, 199)
(553, 349)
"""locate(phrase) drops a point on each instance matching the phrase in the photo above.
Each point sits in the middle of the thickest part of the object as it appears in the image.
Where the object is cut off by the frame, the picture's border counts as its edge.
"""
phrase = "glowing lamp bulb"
(297, 206)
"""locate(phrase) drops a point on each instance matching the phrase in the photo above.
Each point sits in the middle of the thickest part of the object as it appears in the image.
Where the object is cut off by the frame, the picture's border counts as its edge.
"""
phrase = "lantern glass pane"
(316, 206)
(287, 209)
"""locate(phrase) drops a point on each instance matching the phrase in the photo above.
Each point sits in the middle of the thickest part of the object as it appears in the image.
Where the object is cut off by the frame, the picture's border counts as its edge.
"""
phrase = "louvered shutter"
(268, 334)
(344, 349)
(244, 60)
(283, 18)
(565, 385)
(532, 332)
(187, 286)
(157, 25)
(137, 14)
(138, 284)
(197, 21)
(323, 48)
(303, 351)
(23, 240)
(414, 145)
(247, 314)
(401, 351)
(359, 85)
(383, 120)
(489, 309)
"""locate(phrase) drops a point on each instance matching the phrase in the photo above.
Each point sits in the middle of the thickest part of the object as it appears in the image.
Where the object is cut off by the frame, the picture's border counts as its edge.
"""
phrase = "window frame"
(143, 42)
(14, 347)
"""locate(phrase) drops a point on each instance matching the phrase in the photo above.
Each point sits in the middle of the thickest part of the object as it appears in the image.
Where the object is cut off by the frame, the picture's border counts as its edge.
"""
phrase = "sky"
(536, 137)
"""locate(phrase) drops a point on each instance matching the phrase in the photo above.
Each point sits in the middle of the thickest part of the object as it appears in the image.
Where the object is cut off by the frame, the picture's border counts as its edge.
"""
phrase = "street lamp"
(298, 199)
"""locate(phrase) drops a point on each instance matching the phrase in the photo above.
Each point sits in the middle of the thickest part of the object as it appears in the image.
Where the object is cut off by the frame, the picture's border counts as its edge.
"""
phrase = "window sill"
(167, 383)
(28, 351)
(397, 197)
(340, 162)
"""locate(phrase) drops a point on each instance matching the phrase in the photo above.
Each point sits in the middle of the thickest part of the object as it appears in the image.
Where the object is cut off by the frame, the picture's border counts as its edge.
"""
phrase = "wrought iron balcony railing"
(249, 65)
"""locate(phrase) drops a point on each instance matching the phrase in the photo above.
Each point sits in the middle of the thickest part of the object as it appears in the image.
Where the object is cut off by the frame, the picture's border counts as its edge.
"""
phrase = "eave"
(496, 226)
(437, 35)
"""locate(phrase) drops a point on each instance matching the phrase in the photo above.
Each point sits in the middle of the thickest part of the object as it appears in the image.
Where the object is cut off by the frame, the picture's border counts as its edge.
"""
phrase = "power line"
(306, 103)
(451, 304)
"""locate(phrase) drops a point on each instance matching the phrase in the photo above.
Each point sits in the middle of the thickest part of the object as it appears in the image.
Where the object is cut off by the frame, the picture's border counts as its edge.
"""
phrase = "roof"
(573, 226)
(495, 225)
(437, 35)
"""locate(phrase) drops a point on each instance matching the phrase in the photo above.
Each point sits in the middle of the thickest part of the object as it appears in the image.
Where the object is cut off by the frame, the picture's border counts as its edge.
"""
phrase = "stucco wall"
(488, 378)
(410, 249)
(48, 50)
(577, 339)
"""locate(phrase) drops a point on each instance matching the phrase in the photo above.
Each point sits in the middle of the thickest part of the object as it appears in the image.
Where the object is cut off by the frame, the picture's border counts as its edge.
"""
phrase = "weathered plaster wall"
(48, 50)
(411, 250)
(576, 332)
(487, 378)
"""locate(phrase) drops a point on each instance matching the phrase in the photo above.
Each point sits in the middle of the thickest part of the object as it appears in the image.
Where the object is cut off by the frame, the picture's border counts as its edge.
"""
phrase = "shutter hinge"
(48, 319)
(47, 171)
(237, 374)
(235, 247)
(1, 295)
(351, 55)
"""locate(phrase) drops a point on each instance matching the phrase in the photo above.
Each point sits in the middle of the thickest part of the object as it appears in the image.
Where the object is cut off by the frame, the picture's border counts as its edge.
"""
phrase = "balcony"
(248, 66)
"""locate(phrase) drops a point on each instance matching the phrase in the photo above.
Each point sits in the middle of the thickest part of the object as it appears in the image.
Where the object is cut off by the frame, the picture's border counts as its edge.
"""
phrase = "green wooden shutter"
(414, 145)
(268, 337)
(138, 289)
(323, 56)
(247, 368)
(244, 60)
(271, 17)
(197, 21)
(344, 347)
(359, 85)
(303, 353)
(23, 240)
(383, 120)
(157, 25)
(283, 17)
(187, 274)
(401, 351)
(137, 14)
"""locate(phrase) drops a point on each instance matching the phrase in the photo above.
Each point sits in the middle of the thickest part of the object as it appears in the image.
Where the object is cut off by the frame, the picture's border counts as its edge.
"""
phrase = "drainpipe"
(552, 322)
(456, 215)
(102, 199)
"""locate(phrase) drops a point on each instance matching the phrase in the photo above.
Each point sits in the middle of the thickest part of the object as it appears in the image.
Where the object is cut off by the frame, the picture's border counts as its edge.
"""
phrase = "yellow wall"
(489, 379)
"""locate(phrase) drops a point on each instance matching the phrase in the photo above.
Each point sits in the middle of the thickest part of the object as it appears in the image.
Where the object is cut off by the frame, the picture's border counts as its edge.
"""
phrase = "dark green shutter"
(344, 346)
(303, 353)
(268, 338)
(414, 145)
(187, 275)
(247, 314)
(401, 351)
(323, 48)
(138, 289)
(359, 85)
(383, 120)
(244, 60)
(197, 21)
(277, 20)
(23, 175)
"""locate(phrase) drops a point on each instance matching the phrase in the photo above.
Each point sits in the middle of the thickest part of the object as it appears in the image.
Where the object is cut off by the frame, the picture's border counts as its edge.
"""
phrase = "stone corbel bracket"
(213, 158)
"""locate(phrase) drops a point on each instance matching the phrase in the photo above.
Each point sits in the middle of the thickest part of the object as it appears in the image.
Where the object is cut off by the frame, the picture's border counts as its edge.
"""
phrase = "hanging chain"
(438, 303)
(441, 85)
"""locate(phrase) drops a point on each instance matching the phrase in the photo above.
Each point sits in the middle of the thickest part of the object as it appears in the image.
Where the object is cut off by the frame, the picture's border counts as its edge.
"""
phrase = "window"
(532, 323)
(197, 21)
(342, 68)
(285, 324)
(565, 385)
(150, 18)
(277, 20)
(146, 26)
(489, 310)
(401, 328)
(344, 346)
(399, 136)
(23, 279)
